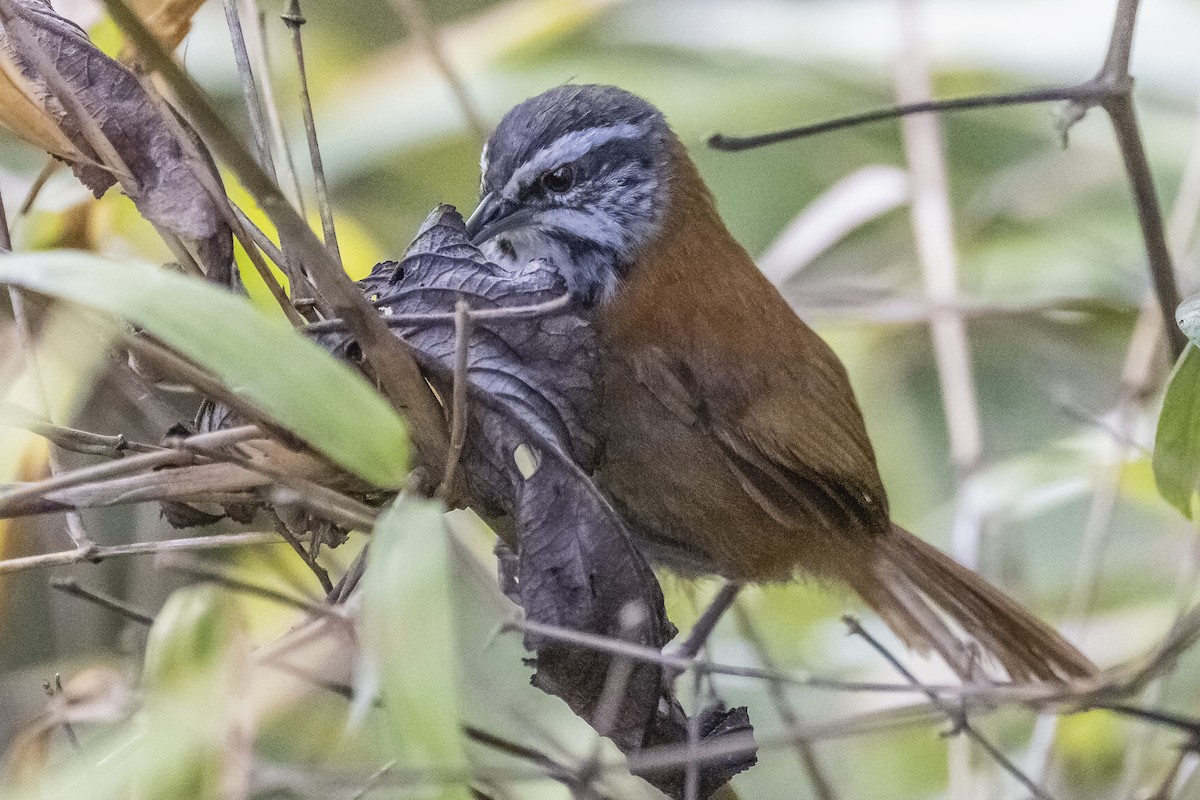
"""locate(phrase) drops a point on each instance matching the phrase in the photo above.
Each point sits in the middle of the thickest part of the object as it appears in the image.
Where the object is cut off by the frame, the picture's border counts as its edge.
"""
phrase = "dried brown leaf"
(168, 20)
(106, 112)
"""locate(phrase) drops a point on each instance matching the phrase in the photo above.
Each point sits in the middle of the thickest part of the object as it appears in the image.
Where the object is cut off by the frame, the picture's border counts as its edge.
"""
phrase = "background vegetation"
(1057, 503)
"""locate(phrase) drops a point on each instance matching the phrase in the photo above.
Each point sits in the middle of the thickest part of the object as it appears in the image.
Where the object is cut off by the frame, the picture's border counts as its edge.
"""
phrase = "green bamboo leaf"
(409, 634)
(286, 377)
(191, 634)
(1177, 442)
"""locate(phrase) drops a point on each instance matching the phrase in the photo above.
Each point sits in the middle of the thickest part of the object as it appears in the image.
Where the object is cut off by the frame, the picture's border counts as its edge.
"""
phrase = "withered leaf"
(163, 181)
(532, 439)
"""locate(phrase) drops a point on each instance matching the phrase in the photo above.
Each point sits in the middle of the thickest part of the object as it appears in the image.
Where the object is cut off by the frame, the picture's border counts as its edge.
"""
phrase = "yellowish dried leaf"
(168, 20)
(24, 116)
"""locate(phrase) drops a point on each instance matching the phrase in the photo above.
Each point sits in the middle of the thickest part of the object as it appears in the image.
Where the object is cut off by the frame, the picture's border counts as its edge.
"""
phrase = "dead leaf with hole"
(531, 442)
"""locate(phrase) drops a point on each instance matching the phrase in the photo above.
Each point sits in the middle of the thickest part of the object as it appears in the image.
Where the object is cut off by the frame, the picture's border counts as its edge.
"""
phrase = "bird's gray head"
(577, 175)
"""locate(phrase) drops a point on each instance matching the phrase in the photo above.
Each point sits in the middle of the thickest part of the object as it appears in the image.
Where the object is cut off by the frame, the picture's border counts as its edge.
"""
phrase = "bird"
(734, 445)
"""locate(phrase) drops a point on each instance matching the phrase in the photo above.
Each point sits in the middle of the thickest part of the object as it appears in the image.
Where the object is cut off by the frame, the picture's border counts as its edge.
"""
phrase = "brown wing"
(793, 436)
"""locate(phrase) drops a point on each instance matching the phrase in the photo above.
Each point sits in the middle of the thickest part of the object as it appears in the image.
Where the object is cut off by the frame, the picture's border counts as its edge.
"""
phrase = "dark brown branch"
(957, 715)
(198, 570)
(733, 144)
(306, 556)
(1110, 88)
(458, 405)
(71, 586)
(704, 626)
(1121, 113)
(73, 439)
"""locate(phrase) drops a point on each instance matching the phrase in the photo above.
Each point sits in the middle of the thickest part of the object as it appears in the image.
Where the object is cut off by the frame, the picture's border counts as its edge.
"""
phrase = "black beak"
(495, 215)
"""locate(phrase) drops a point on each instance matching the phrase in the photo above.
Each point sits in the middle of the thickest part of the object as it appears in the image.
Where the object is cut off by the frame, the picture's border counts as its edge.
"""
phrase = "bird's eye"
(559, 180)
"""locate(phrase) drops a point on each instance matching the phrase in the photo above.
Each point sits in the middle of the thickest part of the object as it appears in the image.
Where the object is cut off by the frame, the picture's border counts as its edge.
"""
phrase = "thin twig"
(198, 570)
(1033, 694)
(350, 578)
(264, 105)
(71, 586)
(707, 623)
(254, 104)
(102, 552)
(958, 715)
(254, 17)
(294, 20)
(1049, 94)
(179, 454)
(458, 407)
(1145, 202)
(73, 439)
(51, 166)
(416, 16)
(283, 530)
(374, 780)
(805, 752)
(477, 315)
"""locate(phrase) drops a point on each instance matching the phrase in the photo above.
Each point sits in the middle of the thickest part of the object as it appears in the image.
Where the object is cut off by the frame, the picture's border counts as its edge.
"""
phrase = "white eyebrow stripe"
(568, 148)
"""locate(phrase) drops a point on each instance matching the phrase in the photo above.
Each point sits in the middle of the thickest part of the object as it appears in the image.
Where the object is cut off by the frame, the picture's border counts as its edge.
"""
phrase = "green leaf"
(1177, 442)
(191, 634)
(409, 633)
(282, 374)
(196, 695)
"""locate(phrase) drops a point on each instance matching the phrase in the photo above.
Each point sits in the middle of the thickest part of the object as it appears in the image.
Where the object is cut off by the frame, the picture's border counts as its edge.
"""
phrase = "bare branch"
(708, 620)
(732, 144)
(198, 570)
(71, 586)
(458, 407)
(958, 715)
(416, 16)
(102, 552)
(294, 20)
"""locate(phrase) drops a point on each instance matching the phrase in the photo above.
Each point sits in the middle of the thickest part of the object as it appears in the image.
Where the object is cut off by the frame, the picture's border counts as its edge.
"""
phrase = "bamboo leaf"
(409, 633)
(279, 372)
(1177, 442)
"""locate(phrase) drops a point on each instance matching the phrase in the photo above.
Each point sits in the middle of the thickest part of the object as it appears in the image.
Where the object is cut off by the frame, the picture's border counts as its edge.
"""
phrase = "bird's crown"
(562, 122)
(578, 175)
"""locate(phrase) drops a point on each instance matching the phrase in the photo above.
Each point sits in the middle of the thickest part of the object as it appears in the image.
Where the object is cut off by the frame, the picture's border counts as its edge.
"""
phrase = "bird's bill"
(493, 216)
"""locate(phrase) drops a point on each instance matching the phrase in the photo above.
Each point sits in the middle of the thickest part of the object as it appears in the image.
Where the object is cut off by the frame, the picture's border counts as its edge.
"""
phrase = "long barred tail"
(914, 580)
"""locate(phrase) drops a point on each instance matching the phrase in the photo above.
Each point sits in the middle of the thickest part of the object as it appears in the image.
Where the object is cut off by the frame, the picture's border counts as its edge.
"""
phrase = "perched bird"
(734, 443)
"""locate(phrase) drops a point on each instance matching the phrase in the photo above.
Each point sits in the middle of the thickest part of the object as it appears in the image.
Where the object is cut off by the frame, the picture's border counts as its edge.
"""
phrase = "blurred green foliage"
(1051, 267)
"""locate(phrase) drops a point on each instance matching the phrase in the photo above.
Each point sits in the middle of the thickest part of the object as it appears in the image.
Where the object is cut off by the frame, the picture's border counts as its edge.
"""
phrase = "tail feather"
(913, 578)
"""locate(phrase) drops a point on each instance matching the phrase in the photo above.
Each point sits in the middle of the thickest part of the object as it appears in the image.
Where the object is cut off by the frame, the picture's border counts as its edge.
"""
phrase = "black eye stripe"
(618, 154)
